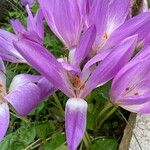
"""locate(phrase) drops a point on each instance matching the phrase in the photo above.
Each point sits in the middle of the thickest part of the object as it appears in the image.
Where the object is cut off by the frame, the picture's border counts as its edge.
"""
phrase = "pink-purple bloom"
(130, 88)
(35, 28)
(24, 94)
(74, 81)
(84, 29)
(100, 39)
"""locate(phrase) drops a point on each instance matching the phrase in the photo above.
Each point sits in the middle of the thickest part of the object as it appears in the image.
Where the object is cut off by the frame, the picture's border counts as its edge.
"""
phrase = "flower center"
(77, 84)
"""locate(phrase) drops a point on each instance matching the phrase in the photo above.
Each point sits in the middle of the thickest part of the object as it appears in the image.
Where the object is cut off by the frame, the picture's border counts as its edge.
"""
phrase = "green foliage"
(105, 144)
(19, 139)
(43, 128)
(57, 143)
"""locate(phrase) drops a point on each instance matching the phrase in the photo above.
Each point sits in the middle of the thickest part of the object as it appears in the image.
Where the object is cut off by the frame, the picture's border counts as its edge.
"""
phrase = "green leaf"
(43, 129)
(105, 144)
(56, 143)
(19, 139)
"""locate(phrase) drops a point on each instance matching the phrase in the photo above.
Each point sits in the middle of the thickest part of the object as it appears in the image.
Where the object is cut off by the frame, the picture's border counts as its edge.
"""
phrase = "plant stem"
(57, 101)
(87, 141)
(108, 110)
(106, 117)
(22, 118)
(107, 106)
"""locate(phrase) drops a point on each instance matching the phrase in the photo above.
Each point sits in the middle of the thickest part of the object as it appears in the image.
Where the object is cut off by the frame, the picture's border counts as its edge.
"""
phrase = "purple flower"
(131, 86)
(34, 27)
(114, 25)
(24, 94)
(65, 19)
(27, 2)
(68, 75)
(144, 7)
(109, 17)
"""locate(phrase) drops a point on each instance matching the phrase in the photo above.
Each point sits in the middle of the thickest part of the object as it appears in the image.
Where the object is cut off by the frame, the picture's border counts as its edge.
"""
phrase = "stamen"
(75, 80)
(105, 35)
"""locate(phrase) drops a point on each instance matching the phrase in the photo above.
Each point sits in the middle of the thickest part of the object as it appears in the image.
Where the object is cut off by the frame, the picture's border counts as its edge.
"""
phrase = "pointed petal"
(137, 25)
(48, 66)
(67, 25)
(109, 67)
(7, 50)
(97, 58)
(4, 119)
(39, 23)
(24, 98)
(17, 26)
(98, 17)
(46, 88)
(75, 121)
(31, 26)
(117, 14)
(84, 46)
(2, 75)
(22, 79)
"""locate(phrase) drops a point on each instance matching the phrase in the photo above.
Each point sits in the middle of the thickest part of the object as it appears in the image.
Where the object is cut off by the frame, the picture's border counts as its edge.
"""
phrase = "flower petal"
(17, 26)
(97, 58)
(144, 7)
(140, 109)
(106, 70)
(2, 75)
(75, 121)
(98, 16)
(48, 66)
(7, 50)
(117, 14)
(27, 2)
(25, 98)
(4, 119)
(39, 23)
(137, 25)
(129, 76)
(67, 25)
(22, 79)
(46, 88)
(84, 46)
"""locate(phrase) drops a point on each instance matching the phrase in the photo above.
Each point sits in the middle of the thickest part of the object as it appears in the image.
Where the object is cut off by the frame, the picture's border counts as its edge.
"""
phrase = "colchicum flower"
(65, 18)
(24, 94)
(78, 25)
(109, 16)
(74, 80)
(34, 27)
(113, 25)
(131, 86)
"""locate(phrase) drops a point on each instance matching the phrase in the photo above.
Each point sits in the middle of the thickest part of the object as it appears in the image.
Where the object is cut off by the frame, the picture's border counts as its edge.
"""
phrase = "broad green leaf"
(43, 129)
(105, 144)
(19, 139)
(56, 143)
